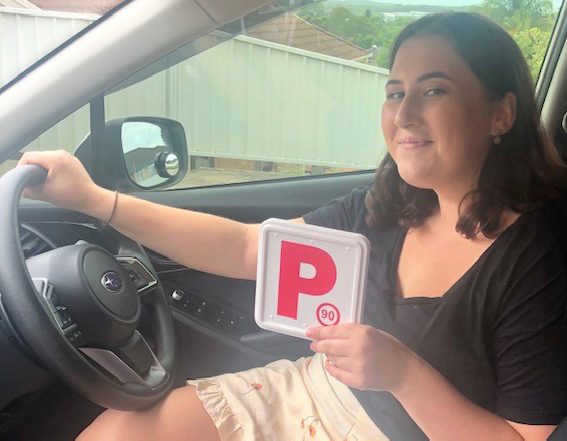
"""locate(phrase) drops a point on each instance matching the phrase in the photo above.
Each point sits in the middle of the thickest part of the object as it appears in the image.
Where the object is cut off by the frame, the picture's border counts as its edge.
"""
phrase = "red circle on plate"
(328, 314)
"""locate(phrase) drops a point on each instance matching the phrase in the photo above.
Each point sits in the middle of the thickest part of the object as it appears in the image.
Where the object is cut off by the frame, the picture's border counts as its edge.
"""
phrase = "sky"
(556, 3)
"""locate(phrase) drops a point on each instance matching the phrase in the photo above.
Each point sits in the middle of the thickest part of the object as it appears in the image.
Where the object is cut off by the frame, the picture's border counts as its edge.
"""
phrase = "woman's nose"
(409, 112)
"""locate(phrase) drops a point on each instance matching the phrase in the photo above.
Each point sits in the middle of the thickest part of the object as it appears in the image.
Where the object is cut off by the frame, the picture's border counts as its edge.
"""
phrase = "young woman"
(465, 322)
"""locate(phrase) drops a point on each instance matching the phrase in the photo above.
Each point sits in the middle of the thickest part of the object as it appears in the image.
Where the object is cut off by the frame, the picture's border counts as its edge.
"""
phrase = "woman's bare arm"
(201, 241)
(444, 414)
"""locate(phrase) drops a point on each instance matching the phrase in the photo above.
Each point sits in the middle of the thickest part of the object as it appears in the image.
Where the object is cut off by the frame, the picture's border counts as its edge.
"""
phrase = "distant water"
(449, 3)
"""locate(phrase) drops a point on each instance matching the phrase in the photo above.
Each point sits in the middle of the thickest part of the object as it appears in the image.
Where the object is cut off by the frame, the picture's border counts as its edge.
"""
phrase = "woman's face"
(437, 117)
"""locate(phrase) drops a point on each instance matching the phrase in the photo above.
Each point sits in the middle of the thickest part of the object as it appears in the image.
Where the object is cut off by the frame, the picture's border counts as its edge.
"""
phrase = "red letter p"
(291, 284)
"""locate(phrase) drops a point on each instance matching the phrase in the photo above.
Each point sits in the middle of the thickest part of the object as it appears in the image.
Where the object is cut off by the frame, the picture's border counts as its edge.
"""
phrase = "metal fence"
(252, 99)
(27, 35)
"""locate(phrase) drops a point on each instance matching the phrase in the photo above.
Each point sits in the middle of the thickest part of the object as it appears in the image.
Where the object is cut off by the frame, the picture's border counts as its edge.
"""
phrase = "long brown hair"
(520, 173)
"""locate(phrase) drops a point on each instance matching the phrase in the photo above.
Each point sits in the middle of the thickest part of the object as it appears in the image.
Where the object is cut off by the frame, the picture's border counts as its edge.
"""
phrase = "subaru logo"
(111, 281)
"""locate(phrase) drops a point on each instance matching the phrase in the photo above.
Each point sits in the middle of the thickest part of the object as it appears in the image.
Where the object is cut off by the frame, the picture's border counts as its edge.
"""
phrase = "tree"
(533, 42)
(365, 30)
(384, 39)
(519, 15)
(313, 14)
(529, 22)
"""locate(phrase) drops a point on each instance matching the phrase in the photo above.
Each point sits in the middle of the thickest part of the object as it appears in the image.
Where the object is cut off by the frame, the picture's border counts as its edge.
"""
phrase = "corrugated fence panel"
(244, 99)
(26, 36)
(65, 135)
(36, 33)
(251, 99)
(147, 98)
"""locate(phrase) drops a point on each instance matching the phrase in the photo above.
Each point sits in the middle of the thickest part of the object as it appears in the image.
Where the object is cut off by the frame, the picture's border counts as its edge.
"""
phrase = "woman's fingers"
(343, 375)
(67, 185)
(33, 192)
(44, 159)
(340, 362)
(342, 331)
(332, 347)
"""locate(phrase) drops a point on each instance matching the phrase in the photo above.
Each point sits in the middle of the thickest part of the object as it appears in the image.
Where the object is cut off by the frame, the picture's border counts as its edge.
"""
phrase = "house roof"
(18, 4)
(287, 29)
(291, 30)
(86, 6)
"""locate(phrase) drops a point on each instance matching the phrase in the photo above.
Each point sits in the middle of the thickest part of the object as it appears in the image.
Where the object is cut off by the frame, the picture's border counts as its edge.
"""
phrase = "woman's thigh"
(178, 417)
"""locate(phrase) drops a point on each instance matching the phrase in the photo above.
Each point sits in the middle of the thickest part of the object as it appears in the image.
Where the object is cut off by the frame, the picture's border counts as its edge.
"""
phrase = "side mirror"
(150, 154)
(138, 153)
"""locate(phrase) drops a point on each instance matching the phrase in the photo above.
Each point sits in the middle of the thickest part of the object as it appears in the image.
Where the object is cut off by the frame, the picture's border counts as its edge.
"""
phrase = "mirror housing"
(138, 153)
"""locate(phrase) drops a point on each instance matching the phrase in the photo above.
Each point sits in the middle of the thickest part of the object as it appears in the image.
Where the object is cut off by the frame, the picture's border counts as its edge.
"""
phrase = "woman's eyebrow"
(436, 74)
(392, 82)
(424, 77)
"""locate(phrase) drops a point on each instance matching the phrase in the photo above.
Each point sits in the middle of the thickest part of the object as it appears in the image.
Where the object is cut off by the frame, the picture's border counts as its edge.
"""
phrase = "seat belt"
(560, 432)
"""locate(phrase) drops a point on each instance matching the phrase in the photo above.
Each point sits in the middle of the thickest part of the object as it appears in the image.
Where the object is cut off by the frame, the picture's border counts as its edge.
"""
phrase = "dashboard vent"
(33, 241)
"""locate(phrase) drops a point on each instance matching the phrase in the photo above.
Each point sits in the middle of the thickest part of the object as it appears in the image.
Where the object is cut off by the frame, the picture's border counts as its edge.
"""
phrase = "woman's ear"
(504, 115)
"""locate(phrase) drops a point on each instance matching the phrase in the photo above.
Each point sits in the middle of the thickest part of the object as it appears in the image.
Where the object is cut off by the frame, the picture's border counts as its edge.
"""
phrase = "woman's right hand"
(68, 185)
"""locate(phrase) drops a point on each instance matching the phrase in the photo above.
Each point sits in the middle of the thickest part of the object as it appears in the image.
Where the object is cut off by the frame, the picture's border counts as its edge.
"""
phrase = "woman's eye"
(395, 95)
(434, 92)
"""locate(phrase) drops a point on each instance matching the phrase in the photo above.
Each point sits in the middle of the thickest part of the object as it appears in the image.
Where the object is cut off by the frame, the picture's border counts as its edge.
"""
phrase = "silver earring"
(497, 139)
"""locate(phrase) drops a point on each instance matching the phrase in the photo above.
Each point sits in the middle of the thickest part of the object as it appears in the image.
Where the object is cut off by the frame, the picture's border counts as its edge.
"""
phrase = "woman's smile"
(412, 143)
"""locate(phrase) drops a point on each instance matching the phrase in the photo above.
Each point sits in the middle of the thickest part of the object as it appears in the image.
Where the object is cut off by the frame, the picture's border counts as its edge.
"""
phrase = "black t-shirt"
(499, 334)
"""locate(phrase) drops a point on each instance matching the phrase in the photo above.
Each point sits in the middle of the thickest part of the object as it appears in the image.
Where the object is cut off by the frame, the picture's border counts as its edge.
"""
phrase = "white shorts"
(285, 401)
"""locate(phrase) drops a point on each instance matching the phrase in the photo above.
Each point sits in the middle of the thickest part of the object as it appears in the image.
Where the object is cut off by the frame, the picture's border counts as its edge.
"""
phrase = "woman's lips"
(412, 143)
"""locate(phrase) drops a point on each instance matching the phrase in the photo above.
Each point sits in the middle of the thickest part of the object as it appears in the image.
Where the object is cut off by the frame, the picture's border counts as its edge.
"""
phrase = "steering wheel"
(77, 309)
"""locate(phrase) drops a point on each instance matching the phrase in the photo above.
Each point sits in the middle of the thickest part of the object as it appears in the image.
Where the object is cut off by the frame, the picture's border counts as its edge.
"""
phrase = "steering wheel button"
(51, 298)
(72, 331)
(65, 319)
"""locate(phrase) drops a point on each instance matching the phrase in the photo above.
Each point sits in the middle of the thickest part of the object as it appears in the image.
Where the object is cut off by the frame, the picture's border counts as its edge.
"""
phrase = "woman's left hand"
(361, 356)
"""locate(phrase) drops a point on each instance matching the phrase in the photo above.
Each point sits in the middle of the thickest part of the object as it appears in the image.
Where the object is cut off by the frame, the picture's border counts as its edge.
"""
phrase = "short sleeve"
(344, 213)
(530, 338)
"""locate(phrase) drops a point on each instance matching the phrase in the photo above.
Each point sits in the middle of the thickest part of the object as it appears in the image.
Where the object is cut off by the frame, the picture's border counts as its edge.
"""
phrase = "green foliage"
(357, 29)
(529, 22)
(385, 39)
(519, 15)
(365, 30)
(360, 6)
(533, 42)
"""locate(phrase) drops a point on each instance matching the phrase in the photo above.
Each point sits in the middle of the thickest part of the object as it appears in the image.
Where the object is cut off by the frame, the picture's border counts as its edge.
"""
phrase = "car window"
(290, 95)
(300, 94)
(31, 29)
